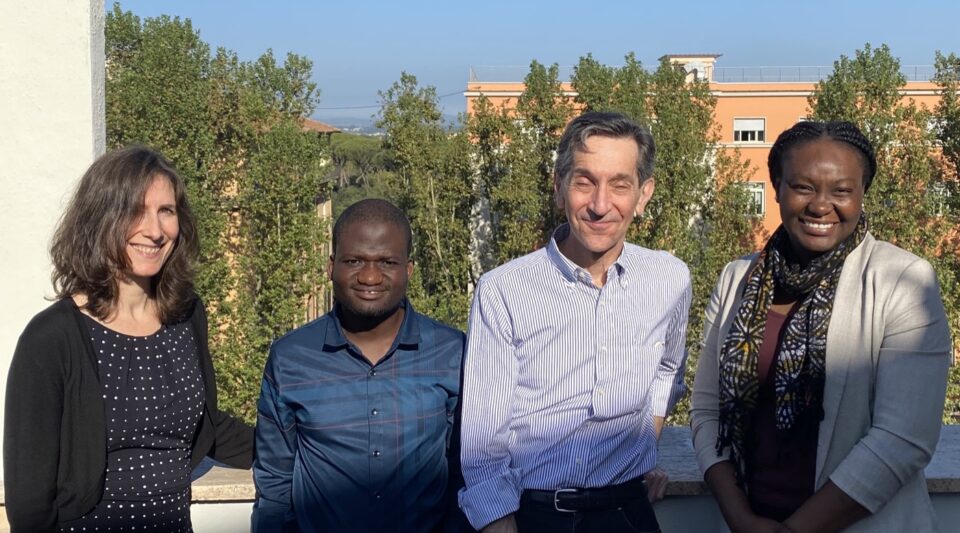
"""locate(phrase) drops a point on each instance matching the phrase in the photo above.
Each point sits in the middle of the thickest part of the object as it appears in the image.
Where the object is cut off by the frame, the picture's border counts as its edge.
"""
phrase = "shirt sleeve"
(276, 445)
(490, 378)
(668, 386)
(909, 391)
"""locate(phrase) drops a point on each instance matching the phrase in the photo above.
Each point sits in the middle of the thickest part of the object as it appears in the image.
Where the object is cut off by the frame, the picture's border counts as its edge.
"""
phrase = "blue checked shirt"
(346, 446)
(562, 378)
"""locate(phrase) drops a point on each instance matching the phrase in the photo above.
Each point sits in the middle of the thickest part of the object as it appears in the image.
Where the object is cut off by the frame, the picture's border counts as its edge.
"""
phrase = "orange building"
(754, 105)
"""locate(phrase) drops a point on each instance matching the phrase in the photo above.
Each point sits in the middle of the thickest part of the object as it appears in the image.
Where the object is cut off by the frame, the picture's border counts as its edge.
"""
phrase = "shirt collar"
(408, 336)
(570, 270)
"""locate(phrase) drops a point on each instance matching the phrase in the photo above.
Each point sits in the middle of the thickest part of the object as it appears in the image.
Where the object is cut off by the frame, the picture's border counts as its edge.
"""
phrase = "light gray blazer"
(888, 351)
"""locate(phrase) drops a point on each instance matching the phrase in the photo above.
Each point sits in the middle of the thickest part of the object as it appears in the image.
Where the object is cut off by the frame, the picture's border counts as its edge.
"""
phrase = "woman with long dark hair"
(111, 399)
(820, 387)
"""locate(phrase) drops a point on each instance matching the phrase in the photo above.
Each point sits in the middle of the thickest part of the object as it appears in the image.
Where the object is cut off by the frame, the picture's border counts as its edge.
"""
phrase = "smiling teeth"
(818, 226)
(148, 250)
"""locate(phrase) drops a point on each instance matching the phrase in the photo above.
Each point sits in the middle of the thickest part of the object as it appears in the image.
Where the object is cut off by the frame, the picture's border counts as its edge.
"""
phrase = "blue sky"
(359, 47)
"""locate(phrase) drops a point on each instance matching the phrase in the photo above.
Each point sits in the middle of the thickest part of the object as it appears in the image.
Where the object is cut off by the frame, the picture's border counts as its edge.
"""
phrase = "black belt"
(596, 499)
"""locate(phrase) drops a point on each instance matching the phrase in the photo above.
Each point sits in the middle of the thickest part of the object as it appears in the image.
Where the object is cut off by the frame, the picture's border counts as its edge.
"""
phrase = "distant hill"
(359, 125)
(366, 125)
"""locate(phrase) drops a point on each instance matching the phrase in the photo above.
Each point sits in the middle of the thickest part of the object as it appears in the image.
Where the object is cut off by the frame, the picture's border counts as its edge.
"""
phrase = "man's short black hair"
(372, 210)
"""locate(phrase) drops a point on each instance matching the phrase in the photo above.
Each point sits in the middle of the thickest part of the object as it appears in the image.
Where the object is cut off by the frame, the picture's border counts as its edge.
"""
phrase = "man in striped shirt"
(575, 354)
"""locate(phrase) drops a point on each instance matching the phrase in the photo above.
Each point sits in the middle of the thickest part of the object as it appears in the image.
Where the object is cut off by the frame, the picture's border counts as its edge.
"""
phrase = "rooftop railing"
(802, 74)
(811, 74)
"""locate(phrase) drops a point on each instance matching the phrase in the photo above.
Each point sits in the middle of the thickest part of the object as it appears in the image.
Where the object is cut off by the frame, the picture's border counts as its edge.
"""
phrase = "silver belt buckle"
(556, 500)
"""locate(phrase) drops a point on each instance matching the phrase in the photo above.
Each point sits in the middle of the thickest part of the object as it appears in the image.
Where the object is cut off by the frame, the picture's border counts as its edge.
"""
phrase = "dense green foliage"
(232, 129)
(432, 181)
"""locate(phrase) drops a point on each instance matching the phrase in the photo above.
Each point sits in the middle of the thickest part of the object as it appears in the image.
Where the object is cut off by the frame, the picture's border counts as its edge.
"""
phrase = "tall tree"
(434, 184)
(514, 149)
(232, 129)
(543, 110)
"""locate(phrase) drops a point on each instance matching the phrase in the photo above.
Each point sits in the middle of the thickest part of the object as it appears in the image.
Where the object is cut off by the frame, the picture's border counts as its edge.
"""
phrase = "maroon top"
(781, 465)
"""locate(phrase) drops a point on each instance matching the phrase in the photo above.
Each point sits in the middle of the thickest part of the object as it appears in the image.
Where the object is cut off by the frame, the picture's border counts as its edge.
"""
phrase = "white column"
(51, 129)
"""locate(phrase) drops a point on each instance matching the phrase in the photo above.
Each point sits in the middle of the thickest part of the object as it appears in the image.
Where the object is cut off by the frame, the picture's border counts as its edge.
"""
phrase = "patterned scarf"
(799, 374)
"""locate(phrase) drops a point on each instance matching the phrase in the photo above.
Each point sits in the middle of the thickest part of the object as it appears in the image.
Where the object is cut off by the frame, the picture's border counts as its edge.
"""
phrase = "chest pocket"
(623, 390)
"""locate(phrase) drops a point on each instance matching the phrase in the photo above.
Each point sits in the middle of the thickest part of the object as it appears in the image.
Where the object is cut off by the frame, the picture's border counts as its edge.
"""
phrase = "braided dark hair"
(806, 131)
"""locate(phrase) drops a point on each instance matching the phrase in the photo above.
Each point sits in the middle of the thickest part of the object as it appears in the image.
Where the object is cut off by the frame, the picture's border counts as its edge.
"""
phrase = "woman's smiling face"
(820, 195)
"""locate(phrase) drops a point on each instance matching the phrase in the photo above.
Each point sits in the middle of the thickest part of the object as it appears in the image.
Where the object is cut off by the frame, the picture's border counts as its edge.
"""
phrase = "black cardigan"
(54, 437)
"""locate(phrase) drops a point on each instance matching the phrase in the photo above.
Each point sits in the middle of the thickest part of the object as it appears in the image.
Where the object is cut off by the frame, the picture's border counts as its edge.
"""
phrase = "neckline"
(97, 323)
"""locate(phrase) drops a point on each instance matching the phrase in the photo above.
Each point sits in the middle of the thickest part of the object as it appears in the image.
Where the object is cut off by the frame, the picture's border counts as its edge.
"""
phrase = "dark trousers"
(635, 516)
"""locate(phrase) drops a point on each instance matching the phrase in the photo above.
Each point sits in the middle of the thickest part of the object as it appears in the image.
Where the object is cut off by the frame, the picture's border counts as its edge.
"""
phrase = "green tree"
(232, 129)
(623, 89)
(514, 151)
(355, 158)
(433, 182)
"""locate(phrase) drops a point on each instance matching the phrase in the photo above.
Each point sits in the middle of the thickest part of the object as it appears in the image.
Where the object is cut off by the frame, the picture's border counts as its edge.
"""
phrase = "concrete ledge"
(224, 485)
(676, 458)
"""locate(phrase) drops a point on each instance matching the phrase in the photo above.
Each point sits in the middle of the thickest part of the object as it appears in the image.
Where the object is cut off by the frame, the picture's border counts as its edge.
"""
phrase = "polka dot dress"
(153, 396)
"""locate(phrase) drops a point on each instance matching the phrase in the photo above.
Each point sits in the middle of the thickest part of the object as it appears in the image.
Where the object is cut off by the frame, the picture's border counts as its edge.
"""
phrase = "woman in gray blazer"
(820, 387)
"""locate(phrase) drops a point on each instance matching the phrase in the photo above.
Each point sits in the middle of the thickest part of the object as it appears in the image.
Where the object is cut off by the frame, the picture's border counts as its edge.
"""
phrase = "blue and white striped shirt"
(562, 378)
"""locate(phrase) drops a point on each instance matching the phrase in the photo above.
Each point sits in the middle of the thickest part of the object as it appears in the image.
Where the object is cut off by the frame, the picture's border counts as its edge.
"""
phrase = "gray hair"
(605, 124)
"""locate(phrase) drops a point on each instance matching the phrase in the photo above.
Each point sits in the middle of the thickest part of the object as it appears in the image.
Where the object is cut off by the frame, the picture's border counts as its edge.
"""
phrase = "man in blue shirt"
(356, 408)
(575, 354)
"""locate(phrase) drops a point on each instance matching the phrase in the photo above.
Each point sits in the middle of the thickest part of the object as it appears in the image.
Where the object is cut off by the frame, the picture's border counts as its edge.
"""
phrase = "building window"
(749, 130)
(942, 197)
(756, 191)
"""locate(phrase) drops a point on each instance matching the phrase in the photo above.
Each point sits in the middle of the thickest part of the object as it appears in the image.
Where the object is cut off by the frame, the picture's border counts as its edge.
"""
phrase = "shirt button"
(373, 372)
(374, 412)
(377, 495)
(376, 453)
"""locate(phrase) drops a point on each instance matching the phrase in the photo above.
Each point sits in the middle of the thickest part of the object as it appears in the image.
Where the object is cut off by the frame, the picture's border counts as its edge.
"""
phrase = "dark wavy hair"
(809, 130)
(89, 245)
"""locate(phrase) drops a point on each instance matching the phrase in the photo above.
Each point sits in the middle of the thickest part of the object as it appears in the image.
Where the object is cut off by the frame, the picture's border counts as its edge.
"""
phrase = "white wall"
(51, 129)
